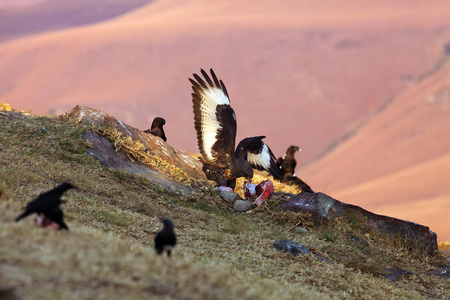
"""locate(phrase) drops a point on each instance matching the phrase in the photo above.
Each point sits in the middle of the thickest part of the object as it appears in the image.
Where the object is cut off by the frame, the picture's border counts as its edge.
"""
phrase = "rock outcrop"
(322, 207)
(104, 150)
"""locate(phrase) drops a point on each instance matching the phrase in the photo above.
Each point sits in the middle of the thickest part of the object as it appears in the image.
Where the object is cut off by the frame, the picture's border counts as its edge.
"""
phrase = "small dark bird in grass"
(48, 204)
(165, 239)
(157, 128)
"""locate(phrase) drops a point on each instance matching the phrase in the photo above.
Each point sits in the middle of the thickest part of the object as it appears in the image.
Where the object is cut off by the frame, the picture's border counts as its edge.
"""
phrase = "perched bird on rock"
(165, 239)
(157, 128)
(287, 165)
(48, 204)
(215, 125)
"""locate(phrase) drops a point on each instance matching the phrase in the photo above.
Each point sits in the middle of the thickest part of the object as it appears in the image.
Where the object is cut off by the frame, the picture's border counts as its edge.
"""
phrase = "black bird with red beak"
(157, 128)
(215, 125)
(47, 204)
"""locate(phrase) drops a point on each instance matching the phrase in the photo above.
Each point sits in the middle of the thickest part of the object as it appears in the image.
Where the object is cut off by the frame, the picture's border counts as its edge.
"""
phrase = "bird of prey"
(287, 165)
(165, 239)
(48, 204)
(157, 128)
(215, 125)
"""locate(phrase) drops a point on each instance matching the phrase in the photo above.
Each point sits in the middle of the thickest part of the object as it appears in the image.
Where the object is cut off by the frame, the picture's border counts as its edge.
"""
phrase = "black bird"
(48, 204)
(165, 239)
(287, 165)
(157, 128)
(215, 124)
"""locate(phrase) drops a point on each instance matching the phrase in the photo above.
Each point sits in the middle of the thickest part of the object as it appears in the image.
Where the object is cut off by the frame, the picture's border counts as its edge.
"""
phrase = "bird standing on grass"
(215, 124)
(165, 239)
(157, 128)
(48, 204)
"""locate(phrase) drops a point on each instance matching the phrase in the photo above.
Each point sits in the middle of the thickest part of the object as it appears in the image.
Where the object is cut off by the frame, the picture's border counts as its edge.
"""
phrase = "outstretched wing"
(259, 155)
(214, 120)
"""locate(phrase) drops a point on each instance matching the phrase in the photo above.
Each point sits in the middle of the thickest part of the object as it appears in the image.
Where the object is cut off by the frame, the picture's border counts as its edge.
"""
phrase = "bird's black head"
(67, 185)
(168, 224)
(158, 122)
(251, 144)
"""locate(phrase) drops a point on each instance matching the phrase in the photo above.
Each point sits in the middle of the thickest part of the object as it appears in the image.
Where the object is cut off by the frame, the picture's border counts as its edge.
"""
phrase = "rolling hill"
(28, 17)
(399, 163)
(295, 72)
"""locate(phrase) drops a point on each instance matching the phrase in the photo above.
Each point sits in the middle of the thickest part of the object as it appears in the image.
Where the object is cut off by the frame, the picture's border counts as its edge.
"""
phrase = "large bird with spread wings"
(215, 124)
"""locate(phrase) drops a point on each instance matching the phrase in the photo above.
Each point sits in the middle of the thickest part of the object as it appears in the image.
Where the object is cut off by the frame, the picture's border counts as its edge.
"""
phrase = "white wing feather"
(262, 159)
(210, 99)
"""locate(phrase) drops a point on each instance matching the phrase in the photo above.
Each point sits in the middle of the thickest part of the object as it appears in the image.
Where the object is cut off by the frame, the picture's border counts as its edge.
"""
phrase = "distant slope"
(399, 163)
(21, 18)
(299, 72)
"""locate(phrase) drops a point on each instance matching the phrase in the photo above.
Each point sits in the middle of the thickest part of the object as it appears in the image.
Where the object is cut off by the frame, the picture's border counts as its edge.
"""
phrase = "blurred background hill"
(363, 88)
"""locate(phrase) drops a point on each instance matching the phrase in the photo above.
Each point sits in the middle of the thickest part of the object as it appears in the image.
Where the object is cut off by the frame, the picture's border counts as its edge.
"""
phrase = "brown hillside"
(399, 163)
(303, 73)
(26, 17)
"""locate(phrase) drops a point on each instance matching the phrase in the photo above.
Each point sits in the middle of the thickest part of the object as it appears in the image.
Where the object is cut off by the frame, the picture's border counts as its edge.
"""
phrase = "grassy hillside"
(113, 217)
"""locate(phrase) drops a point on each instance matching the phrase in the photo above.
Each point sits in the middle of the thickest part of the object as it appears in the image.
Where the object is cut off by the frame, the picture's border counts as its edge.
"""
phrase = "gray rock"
(295, 249)
(155, 145)
(322, 207)
(242, 205)
(301, 229)
(103, 150)
(396, 274)
(230, 197)
(444, 273)
(291, 247)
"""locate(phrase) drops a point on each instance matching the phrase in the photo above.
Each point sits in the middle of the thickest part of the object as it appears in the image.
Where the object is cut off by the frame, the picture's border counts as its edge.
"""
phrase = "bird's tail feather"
(23, 215)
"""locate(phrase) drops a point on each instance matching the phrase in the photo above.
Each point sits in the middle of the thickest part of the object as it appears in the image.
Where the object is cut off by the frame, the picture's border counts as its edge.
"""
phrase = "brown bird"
(287, 165)
(157, 128)
(215, 124)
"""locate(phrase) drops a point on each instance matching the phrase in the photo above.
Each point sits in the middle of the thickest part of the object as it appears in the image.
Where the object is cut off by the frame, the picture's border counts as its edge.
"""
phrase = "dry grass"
(113, 217)
(135, 150)
(444, 245)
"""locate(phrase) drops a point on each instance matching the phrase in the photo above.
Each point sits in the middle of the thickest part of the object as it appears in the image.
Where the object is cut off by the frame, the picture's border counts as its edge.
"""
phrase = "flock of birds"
(215, 125)
(49, 214)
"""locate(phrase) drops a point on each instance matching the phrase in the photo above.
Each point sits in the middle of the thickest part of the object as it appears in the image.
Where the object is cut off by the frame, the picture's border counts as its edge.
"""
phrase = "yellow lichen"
(5, 106)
